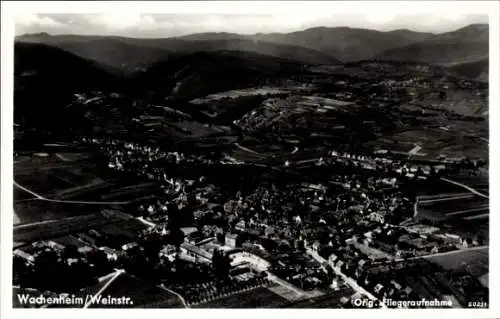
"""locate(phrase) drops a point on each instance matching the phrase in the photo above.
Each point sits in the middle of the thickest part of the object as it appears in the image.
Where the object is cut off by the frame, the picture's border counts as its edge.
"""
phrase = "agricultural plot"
(474, 262)
(126, 228)
(284, 291)
(457, 208)
(31, 211)
(21, 195)
(234, 94)
(330, 300)
(371, 252)
(126, 192)
(190, 130)
(479, 181)
(437, 187)
(434, 142)
(54, 177)
(256, 298)
(56, 228)
(72, 157)
(42, 182)
(69, 241)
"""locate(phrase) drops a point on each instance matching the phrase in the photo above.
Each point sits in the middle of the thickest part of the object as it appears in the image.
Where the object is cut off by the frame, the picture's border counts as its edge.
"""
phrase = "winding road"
(183, 301)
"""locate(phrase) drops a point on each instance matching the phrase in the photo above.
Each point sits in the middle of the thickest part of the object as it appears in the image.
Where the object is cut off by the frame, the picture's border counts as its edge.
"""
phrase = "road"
(28, 191)
(40, 197)
(477, 216)
(145, 222)
(443, 199)
(246, 149)
(94, 297)
(183, 301)
(477, 209)
(351, 282)
(472, 190)
(415, 150)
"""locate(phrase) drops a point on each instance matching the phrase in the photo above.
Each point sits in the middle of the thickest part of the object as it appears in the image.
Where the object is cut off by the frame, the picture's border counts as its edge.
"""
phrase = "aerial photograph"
(251, 161)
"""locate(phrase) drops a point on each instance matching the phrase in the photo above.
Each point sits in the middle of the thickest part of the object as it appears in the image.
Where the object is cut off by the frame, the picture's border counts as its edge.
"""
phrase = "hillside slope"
(465, 45)
(46, 79)
(477, 70)
(346, 44)
(195, 75)
(134, 54)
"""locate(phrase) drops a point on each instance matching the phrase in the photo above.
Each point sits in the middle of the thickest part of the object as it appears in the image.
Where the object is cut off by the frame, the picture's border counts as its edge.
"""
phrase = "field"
(477, 182)
(57, 228)
(256, 298)
(127, 228)
(456, 207)
(372, 252)
(56, 178)
(478, 257)
(434, 142)
(240, 93)
(32, 211)
(330, 300)
(430, 187)
(67, 185)
(69, 240)
(475, 262)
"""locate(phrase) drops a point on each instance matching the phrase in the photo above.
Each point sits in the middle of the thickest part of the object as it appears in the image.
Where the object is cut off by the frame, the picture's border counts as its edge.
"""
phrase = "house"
(316, 245)
(54, 245)
(332, 259)
(188, 230)
(24, 255)
(193, 238)
(339, 264)
(168, 252)
(361, 263)
(195, 252)
(110, 253)
(231, 240)
(378, 288)
(84, 249)
(240, 225)
(396, 285)
(130, 245)
(71, 261)
(408, 290)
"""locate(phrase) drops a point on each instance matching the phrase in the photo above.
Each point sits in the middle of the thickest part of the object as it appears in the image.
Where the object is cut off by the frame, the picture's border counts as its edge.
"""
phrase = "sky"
(133, 24)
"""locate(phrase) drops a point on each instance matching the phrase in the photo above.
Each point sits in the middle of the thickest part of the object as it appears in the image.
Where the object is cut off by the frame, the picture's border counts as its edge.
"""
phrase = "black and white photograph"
(308, 159)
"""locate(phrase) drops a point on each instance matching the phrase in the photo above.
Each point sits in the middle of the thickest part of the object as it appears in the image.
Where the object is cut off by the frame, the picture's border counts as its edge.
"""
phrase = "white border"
(236, 7)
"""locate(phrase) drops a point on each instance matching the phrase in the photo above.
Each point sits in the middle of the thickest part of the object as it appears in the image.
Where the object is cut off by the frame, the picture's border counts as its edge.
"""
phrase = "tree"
(71, 251)
(100, 262)
(152, 245)
(221, 264)
(176, 237)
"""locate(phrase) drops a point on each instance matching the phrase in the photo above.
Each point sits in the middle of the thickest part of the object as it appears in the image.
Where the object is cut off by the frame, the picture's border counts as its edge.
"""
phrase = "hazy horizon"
(139, 25)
